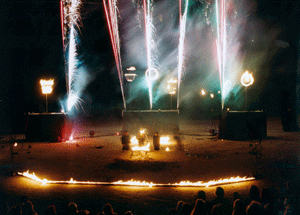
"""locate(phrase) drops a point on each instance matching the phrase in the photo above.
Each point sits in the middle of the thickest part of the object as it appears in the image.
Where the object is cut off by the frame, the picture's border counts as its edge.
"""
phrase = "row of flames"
(140, 183)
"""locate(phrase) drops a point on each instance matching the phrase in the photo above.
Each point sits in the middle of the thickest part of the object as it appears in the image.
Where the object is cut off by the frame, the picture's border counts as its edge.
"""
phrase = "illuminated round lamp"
(247, 79)
(130, 77)
(151, 74)
(203, 92)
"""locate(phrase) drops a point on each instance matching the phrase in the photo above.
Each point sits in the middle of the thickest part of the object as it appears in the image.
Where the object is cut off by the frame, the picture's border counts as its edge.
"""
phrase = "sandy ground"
(101, 158)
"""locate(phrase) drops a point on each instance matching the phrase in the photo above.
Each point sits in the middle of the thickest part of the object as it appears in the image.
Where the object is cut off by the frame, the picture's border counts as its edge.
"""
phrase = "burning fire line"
(140, 183)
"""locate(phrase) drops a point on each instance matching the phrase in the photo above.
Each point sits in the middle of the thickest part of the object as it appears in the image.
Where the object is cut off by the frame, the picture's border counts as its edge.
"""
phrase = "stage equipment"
(152, 120)
(243, 125)
(52, 127)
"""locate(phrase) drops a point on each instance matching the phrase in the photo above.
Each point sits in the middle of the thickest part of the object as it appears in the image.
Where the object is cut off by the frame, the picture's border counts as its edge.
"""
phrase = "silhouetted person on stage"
(156, 141)
(141, 138)
(125, 140)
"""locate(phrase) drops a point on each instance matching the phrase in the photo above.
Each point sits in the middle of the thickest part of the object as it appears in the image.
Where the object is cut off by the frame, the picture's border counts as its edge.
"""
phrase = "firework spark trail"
(221, 45)
(112, 22)
(70, 18)
(149, 34)
(181, 45)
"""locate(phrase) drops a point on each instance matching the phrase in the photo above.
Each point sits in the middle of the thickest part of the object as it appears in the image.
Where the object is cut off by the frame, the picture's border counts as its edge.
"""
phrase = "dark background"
(31, 49)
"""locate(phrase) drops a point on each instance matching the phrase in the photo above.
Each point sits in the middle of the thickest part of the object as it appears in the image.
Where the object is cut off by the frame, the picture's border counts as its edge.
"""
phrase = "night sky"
(31, 49)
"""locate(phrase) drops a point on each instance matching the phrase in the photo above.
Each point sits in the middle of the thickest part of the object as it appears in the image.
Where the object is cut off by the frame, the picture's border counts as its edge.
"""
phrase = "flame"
(164, 140)
(141, 148)
(134, 141)
(133, 182)
(16, 144)
(167, 149)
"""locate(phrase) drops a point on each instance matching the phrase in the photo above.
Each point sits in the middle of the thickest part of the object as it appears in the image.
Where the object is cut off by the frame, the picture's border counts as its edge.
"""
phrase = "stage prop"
(43, 127)
(243, 125)
(162, 121)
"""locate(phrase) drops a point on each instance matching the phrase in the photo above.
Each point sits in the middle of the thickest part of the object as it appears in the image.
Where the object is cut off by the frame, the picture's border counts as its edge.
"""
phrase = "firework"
(181, 43)
(110, 7)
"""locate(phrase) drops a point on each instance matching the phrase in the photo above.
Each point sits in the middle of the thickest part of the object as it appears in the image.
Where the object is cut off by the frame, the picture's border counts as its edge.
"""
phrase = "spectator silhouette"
(125, 139)
(172, 211)
(218, 209)
(200, 208)
(187, 208)
(15, 210)
(239, 207)
(50, 210)
(255, 208)
(236, 196)
(83, 212)
(108, 209)
(266, 196)
(179, 207)
(220, 199)
(156, 141)
(253, 195)
(201, 195)
(72, 208)
(28, 208)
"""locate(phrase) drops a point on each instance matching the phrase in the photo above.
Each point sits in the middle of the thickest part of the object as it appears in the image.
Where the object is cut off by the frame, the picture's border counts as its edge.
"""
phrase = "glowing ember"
(140, 183)
(142, 148)
(167, 149)
(15, 144)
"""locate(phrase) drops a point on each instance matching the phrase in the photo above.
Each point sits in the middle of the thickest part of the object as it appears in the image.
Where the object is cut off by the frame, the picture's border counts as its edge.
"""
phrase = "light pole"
(247, 80)
(172, 89)
(47, 89)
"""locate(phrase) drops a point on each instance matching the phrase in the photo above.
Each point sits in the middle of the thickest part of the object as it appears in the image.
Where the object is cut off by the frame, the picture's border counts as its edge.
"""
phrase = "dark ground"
(204, 158)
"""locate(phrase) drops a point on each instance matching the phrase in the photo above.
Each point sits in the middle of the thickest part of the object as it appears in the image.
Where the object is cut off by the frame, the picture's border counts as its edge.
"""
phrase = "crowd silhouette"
(265, 201)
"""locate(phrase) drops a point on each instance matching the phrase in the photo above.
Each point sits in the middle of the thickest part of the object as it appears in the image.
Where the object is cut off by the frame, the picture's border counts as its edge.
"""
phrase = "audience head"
(72, 208)
(200, 207)
(265, 195)
(254, 192)
(187, 208)
(27, 208)
(50, 210)
(201, 195)
(108, 209)
(179, 206)
(220, 192)
(236, 196)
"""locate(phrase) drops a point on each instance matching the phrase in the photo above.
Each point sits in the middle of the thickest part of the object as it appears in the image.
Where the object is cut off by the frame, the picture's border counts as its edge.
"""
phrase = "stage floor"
(101, 158)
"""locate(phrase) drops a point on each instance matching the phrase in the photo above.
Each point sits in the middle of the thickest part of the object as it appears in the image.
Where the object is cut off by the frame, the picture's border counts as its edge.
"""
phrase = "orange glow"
(142, 148)
(46, 85)
(140, 183)
(167, 149)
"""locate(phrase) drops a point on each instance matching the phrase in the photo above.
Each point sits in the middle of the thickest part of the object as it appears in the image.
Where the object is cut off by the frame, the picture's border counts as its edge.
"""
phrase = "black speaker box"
(47, 127)
(243, 125)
